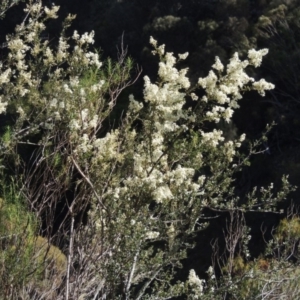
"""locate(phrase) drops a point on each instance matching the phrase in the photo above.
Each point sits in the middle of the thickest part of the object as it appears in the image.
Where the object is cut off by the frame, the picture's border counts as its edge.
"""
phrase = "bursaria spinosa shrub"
(145, 182)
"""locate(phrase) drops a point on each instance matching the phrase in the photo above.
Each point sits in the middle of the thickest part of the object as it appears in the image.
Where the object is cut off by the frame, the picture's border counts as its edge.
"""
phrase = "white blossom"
(183, 56)
(216, 113)
(51, 13)
(161, 50)
(201, 180)
(97, 86)
(3, 106)
(242, 137)
(212, 138)
(194, 97)
(35, 8)
(208, 82)
(218, 65)
(74, 124)
(30, 37)
(93, 59)
(229, 149)
(255, 57)
(76, 36)
(61, 104)
(106, 147)
(5, 76)
(57, 116)
(152, 235)
(227, 114)
(67, 89)
(84, 113)
(153, 42)
(196, 283)
(53, 102)
(94, 122)
(21, 111)
(62, 49)
(181, 175)
(262, 85)
(157, 140)
(134, 106)
(162, 193)
(84, 144)
(87, 38)
(17, 45)
(74, 81)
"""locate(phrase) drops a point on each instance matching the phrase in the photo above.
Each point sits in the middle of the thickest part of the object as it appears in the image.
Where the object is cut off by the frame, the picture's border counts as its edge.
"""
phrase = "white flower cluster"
(168, 103)
(106, 148)
(2, 106)
(194, 97)
(134, 106)
(218, 112)
(262, 86)
(255, 57)
(153, 42)
(5, 76)
(152, 235)
(84, 144)
(183, 56)
(212, 138)
(35, 8)
(97, 86)
(26, 40)
(62, 50)
(229, 149)
(49, 57)
(158, 50)
(67, 89)
(162, 194)
(83, 121)
(18, 51)
(86, 38)
(167, 98)
(162, 183)
(226, 89)
(218, 65)
(168, 73)
(93, 59)
(181, 175)
(51, 13)
(196, 284)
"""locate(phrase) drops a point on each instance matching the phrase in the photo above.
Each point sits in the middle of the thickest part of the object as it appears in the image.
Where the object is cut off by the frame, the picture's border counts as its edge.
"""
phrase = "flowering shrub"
(143, 184)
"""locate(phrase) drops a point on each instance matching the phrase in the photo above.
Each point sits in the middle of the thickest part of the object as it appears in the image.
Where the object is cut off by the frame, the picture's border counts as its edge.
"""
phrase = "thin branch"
(88, 182)
(70, 256)
(132, 272)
